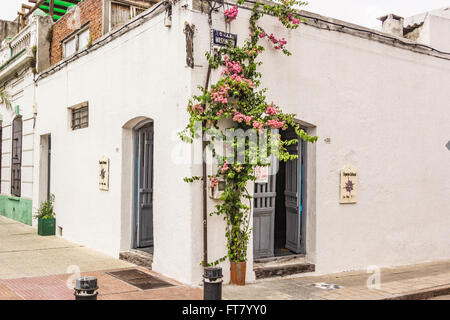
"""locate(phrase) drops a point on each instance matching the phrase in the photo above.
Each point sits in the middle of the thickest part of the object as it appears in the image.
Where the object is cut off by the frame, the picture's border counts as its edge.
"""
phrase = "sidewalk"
(55, 287)
(23, 253)
(34, 267)
(37, 268)
(421, 281)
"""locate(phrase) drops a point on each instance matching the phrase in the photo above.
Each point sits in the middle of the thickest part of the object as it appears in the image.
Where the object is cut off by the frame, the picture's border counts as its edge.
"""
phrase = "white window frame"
(71, 37)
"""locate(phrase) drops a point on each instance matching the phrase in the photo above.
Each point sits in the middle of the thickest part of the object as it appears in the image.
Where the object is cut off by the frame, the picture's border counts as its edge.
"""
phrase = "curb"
(423, 294)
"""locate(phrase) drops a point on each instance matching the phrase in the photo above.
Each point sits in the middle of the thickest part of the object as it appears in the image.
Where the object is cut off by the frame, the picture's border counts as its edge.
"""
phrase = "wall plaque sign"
(222, 38)
(262, 174)
(103, 173)
(349, 185)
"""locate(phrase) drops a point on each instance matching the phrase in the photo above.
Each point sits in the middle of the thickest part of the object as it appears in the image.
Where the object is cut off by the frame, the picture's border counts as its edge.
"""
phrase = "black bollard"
(86, 288)
(212, 284)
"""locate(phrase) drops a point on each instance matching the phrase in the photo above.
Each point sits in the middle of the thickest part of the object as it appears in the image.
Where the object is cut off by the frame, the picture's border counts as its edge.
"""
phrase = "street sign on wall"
(222, 38)
(103, 173)
(349, 185)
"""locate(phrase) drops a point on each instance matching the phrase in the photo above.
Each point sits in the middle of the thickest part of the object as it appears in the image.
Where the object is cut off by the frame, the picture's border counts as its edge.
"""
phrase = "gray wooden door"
(145, 187)
(264, 218)
(293, 198)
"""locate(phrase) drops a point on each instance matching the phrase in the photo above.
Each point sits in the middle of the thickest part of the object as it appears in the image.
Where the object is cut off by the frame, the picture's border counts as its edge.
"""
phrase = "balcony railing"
(18, 50)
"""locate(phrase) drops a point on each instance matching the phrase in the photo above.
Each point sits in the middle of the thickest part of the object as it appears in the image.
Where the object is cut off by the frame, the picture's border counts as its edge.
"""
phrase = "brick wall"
(89, 11)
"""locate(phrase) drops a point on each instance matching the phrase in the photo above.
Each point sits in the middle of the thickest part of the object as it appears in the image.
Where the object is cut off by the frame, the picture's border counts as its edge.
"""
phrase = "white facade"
(21, 91)
(431, 28)
(20, 56)
(383, 107)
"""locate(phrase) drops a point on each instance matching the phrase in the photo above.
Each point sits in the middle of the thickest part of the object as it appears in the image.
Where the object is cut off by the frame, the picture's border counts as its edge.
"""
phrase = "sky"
(362, 12)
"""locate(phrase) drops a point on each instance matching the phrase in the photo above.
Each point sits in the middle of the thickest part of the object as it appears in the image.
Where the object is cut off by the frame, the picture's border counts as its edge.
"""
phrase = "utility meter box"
(216, 191)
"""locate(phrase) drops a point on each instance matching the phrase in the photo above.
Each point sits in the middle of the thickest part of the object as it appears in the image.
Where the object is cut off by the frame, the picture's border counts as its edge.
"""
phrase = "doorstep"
(137, 257)
(281, 266)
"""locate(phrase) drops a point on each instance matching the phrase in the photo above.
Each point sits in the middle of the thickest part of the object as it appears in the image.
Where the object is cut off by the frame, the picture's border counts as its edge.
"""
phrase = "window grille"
(16, 161)
(80, 117)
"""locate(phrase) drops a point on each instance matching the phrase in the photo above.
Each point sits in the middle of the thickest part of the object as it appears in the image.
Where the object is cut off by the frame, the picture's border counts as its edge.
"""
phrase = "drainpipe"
(205, 192)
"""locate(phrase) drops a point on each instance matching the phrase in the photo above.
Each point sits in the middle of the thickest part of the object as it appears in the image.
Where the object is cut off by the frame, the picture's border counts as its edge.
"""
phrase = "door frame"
(135, 190)
(302, 184)
(304, 188)
(302, 181)
(44, 186)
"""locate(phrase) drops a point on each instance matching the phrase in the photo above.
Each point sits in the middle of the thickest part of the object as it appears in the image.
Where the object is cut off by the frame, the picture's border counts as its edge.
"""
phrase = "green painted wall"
(18, 209)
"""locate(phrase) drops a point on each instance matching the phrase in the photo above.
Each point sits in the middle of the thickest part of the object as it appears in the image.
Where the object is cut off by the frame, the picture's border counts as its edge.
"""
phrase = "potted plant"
(46, 218)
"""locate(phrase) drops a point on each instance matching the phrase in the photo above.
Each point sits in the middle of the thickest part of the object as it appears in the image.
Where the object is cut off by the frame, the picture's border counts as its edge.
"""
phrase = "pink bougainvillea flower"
(271, 110)
(195, 108)
(279, 43)
(275, 123)
(220, 94)
(224, 167)
(214, 182)
(257, 125)
(231, 14)
(239, 117)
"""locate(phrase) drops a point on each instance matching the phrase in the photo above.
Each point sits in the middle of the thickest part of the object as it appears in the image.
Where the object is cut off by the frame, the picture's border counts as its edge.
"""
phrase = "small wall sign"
(262, 174)
(103, 173)
(349, 185)
(221, 38)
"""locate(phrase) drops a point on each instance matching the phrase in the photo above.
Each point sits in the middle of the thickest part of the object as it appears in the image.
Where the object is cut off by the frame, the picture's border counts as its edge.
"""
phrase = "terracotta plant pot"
(238, 270)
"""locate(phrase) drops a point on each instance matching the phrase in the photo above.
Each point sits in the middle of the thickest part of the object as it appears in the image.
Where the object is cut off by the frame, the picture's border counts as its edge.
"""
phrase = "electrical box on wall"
(216, 188)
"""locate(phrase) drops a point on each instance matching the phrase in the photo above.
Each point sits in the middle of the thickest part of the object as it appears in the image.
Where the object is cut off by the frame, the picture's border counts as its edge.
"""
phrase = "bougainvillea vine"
(237, 97)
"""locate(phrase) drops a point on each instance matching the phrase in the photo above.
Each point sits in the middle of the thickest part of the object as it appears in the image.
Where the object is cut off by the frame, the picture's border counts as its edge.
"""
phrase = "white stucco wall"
(385, 110)
(141, 74)
(438, 29)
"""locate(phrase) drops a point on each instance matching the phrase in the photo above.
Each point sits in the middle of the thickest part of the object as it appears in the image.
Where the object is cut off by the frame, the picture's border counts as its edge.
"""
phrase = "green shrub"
(46, 209)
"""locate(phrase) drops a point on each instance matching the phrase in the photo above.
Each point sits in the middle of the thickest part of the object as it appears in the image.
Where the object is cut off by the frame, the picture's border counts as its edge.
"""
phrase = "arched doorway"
(137, 185)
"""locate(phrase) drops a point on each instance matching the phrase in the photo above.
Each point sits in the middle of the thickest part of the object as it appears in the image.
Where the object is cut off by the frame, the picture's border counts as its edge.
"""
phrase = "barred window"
(16, 161)
(80, 116)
